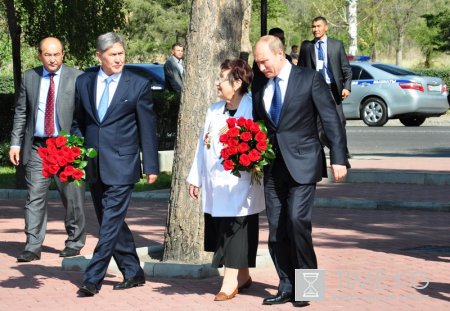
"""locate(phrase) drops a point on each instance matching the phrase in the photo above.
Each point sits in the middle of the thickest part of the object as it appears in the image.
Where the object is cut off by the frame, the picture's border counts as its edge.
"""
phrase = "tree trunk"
(399, 49)
(215, 34)
(353, 27)
(14, 32)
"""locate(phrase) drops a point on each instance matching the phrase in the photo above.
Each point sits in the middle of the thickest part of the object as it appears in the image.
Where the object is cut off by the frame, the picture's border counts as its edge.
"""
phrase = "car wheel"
(412, 121)
(374, 112)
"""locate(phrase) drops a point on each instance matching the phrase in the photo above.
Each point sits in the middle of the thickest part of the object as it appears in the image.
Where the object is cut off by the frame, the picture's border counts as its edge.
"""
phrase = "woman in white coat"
(230, 204)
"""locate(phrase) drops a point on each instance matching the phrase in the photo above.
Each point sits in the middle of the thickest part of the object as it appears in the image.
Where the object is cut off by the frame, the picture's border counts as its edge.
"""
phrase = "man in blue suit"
(114, 113)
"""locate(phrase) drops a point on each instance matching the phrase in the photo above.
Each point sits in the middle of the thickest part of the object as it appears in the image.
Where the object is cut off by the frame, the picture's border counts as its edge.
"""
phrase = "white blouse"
(223, 194)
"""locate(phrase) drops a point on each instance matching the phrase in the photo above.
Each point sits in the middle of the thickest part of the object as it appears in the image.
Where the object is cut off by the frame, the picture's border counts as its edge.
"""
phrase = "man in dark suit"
(115, 115)
(289, 101)
(44, 107)
(174, 70)
(327, 55)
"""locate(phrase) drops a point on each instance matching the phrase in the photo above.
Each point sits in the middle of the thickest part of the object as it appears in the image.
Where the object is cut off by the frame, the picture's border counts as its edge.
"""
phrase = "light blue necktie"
(275, 108)
(104, 100)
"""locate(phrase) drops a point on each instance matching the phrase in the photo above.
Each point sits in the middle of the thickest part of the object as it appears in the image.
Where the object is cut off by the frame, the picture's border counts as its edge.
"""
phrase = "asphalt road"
(432, 139)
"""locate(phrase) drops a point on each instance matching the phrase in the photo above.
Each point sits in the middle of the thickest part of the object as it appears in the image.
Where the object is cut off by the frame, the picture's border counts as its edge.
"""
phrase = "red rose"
(255, 128)
(228, 165)
(232, 142)
(241, 122)
(75, 152)
(261, 136)
(243, 147)
(52, 148)
(225, 153)
(60, 141)
(249, 123)
(244, 160)
(223, 138)
(261, 146)
(46, 173)
(68, 170)
(62, 161)
(42, 152)
(233, 150)
(63, 177)
(50, 142)
(231, 122)
(254, 155)
(53, 169)
(52, 159)
(233, 132)
(77, 174)
(246, 136)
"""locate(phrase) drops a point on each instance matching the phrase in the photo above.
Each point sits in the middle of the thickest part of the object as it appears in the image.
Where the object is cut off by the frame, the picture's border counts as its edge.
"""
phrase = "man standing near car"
(327, 56)
(174, 70)
(45, 107)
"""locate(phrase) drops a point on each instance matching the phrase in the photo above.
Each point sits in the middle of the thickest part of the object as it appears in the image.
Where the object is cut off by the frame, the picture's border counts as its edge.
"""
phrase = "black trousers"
(289, 208)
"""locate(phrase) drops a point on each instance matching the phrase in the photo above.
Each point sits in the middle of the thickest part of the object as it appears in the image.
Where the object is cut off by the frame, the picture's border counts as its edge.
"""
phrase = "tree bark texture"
(215, 34)
(353, 27)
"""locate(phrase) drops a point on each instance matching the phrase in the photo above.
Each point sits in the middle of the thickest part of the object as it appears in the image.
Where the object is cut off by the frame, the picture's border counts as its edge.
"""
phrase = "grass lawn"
(8, 180)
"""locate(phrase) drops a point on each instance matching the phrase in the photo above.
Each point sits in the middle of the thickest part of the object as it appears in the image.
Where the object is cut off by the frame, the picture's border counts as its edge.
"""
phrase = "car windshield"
(395, 70)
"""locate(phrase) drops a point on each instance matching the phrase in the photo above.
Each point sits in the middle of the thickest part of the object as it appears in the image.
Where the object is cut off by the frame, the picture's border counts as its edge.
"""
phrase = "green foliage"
(6, 85)
(440, 24)
(153, 26)
(76, 22)
(4, 154)
(443, 73)
(166, 106)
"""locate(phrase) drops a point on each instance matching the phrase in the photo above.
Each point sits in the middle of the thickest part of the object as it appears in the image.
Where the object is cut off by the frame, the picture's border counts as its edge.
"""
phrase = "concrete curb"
(153, 267)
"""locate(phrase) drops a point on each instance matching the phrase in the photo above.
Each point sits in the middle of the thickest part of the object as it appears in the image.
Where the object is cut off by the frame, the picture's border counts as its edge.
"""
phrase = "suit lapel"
(290, 91)
(36, 86)
(313, 53)
(92, 93)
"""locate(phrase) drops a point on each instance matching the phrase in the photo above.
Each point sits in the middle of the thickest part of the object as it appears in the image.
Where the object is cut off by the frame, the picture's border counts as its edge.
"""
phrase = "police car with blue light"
(381, 92)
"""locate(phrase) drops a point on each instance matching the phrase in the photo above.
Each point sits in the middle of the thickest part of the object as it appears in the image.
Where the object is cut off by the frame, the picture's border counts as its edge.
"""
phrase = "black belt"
(40, 140)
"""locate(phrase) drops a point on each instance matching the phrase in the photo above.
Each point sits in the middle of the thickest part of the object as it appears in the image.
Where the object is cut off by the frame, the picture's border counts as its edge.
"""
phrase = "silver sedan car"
(381, 92)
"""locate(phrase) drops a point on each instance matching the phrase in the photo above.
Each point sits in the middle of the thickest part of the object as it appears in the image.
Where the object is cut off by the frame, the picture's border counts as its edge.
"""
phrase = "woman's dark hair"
(239, 70)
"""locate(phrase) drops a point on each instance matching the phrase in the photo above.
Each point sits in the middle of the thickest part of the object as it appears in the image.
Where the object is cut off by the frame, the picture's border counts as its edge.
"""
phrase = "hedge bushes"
(443, 73)
(6, 85)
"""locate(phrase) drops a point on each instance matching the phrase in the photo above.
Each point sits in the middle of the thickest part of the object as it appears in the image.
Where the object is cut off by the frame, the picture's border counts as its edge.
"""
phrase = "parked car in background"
(153, 72)
(381, 92)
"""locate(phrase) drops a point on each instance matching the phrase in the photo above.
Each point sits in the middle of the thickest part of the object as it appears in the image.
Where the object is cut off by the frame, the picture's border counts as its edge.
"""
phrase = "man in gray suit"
(44, 107)
(327, 55)
(174, 70)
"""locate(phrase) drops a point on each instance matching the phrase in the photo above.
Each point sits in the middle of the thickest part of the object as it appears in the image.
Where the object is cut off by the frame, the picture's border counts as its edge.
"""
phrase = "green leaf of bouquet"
(82, 164)
(78, 183)
(262, 163)
(270, 154)
(91, 153)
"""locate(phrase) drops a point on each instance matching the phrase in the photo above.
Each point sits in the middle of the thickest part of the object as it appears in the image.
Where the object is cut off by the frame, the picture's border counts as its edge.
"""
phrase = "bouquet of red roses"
(64, 157)
(247, 148)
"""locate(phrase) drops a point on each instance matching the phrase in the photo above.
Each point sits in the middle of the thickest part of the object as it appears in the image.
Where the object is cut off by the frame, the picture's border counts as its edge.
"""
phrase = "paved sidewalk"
(374, 258)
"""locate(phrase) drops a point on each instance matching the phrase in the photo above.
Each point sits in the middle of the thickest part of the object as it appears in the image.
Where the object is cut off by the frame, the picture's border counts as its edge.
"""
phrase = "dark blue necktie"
(320, 50)
(275, 108)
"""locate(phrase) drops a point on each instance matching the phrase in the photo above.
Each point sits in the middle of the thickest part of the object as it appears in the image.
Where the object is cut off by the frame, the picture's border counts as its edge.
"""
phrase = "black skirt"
(234, 240)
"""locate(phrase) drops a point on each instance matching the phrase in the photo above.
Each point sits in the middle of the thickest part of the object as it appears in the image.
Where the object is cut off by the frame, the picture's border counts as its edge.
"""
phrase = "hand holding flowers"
(64, 157)
(247, 148)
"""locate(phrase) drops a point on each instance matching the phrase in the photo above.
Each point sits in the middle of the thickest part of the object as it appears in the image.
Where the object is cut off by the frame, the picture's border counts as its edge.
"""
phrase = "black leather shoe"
(69, 252)
(131, 282)
(88, 289)
(300, 304)
(279, 298)
(27, 256)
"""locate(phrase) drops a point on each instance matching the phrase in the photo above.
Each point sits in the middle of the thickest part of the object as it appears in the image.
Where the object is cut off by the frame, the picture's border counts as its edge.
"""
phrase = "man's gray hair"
(107, 40)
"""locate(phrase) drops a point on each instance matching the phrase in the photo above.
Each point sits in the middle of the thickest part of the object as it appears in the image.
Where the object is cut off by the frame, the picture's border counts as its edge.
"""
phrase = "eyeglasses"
(220, 80)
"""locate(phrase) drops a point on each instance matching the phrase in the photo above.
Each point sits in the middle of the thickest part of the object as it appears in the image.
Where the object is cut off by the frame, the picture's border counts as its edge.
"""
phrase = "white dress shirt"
(101, 77)
(270, 86)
